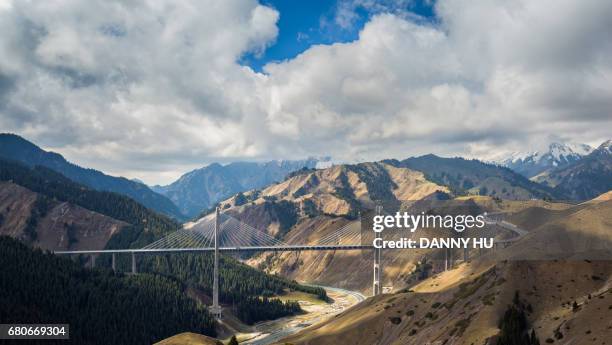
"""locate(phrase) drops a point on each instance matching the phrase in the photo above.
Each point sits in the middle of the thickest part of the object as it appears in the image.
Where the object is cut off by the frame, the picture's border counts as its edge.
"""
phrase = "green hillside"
(240, 285)
(14, 147)
(101, 307)
(146, 225)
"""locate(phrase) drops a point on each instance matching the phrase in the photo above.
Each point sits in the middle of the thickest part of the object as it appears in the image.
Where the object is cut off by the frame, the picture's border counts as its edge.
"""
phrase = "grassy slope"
(188, 338)
(474, 296)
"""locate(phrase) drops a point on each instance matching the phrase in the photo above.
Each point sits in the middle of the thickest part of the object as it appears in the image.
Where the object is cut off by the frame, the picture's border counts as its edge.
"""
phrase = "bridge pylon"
(215, 309)
(376, 288)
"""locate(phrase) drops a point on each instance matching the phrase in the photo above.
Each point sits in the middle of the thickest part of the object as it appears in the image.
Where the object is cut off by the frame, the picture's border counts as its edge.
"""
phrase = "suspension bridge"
(220, 232)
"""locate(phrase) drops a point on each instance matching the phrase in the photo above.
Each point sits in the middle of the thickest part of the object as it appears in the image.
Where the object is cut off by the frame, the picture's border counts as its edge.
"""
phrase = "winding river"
(272, 331)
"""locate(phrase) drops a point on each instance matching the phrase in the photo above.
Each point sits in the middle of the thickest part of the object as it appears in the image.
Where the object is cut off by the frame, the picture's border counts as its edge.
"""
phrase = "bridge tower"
(215, 309)
(376, 288)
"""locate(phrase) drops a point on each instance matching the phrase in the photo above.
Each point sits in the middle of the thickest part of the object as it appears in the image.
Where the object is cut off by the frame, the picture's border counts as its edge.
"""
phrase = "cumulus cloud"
(150, 89)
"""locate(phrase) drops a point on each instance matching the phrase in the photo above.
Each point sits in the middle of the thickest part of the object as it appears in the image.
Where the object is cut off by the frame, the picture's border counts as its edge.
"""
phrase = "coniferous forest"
(244, 288)
(146, 225)
(101, 307)
(514, 326)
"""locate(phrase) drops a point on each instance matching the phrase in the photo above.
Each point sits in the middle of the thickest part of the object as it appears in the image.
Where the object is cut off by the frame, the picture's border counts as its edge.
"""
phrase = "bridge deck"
(222, 249)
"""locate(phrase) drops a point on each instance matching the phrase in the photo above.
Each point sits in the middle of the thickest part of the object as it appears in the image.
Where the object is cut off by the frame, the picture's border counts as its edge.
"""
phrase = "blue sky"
(306, 23)
(154, 91)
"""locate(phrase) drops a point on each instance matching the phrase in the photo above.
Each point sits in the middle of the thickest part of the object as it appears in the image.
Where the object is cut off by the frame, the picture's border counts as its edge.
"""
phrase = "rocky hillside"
(310, 205)
(200, 189)
(559, 302)
(16, 148)
(557, 156)
(51, 224)
(188, 338)
(584, 179)
(342, 190)
(561, 295)
(473, 177)
(52, 187)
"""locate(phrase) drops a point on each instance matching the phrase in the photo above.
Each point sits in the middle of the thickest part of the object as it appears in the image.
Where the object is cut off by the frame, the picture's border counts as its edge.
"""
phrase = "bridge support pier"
(376, 288)
(215, 309)
(448, 259)
(93, 261)
(133, 263)
(114, 262)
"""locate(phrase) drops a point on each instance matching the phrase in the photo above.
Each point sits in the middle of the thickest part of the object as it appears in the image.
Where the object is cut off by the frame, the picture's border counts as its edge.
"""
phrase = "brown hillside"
(64, 226)
(322, 199)
(188, 338)
(468, 310)
(465, 304)
(580, 232)
(341, 189)
(604, 197)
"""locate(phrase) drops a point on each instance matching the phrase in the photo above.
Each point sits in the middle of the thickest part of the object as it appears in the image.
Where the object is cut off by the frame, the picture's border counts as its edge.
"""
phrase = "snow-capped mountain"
(605, 148)
(557, 156)
(585, 179)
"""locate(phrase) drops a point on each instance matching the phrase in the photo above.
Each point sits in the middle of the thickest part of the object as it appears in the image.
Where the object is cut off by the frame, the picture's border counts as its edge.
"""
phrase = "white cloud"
(150, 89)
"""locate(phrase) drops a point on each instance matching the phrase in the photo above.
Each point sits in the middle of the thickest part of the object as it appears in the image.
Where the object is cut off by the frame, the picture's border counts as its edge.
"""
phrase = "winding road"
(506, 225)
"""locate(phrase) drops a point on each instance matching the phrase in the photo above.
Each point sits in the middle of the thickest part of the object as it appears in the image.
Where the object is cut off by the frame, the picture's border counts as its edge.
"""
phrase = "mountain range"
(583, 179)
(465, 176)
(572, 171)
(202, 188)
(192, 193)
(564, 171)
(557, 156)
(303, 201)
(16, 148)
(44, 209)
(308, 203)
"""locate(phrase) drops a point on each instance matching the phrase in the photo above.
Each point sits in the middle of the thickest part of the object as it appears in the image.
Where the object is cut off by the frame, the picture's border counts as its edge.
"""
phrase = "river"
(272, 331)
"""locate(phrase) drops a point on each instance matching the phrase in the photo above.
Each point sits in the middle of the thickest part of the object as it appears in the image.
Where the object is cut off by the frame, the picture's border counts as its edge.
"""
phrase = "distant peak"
(557, 149)
(15, 138)
(429, 155)
(606, 146)
(607, 143)
(556, 145)
(556, 155)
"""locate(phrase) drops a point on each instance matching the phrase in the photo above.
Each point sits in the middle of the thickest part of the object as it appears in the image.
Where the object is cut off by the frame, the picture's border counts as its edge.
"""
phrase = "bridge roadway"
(283, 248)
(221, 249)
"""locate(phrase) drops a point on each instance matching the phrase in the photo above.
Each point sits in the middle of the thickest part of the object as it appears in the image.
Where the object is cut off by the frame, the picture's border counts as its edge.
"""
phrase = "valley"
(273, 172)
(429, 296)
(561, 270)
(272, 331)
